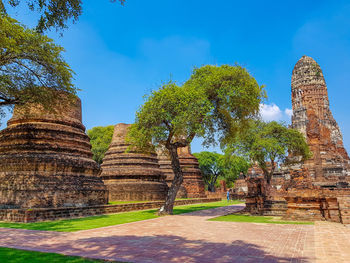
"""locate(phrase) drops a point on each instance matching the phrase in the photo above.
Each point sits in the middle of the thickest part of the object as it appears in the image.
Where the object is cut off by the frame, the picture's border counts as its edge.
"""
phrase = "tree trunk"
(167, 208)
(211, 186)
(270, 174)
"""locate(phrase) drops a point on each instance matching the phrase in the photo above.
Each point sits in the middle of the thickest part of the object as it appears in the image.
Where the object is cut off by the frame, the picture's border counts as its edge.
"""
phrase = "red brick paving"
(191, 238)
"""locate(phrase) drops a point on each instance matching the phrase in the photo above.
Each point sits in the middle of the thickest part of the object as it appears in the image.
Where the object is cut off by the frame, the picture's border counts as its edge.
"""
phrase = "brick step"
(344, 209)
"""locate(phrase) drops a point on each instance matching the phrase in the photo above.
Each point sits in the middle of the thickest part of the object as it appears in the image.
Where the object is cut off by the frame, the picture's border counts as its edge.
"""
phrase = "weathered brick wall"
(264, 199)
(45, 214)
(318, 204)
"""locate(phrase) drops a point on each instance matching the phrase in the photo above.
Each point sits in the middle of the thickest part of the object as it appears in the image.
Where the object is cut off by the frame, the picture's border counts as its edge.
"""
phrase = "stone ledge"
(49, 214)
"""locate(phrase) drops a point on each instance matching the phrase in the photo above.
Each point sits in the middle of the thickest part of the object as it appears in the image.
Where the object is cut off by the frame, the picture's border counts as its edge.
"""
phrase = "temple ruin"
(46, 160)
(317, 189)
(330, 163)
(130, 175)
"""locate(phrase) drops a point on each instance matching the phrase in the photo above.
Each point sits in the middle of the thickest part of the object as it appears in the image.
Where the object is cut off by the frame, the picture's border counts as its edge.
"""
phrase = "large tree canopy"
(100, 139)
(270, 144)
(32, 68)
(53, 13)
(235, 96)
(214, 102)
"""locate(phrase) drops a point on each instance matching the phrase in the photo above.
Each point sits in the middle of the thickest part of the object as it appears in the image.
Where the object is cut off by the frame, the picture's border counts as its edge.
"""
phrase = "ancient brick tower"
(312, 116)
(46, 160)
(131, 175)
(193, 180)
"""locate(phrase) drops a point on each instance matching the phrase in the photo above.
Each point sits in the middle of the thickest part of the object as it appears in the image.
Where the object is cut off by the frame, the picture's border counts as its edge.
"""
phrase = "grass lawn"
(10, 255)
(257, 219)
(135, 202)
(126, 202)
(70, 225)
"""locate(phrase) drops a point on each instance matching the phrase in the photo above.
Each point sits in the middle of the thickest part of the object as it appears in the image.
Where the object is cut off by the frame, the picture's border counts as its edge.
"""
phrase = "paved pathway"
(191, 238)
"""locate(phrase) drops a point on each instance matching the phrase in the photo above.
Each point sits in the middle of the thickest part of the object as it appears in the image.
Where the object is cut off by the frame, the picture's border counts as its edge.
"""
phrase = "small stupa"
(193, 180)
(130, 175)
(46, 160)
(167, 170)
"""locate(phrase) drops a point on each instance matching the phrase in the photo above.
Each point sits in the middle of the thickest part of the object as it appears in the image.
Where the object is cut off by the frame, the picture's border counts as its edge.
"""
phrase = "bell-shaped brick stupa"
(312, 116)
(130, 175)
(46, 160)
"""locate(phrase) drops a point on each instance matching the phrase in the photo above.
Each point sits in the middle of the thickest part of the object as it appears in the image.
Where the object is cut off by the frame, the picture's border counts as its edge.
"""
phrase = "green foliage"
(91, 222)
(214, 102)
(235, 97)
(53, 13)
(270, 143)
(218, 166)
(170, 116)
(211, 165)
(257, 219)
(32, 69)
(233, 166)
(100, 139)
(11, 255)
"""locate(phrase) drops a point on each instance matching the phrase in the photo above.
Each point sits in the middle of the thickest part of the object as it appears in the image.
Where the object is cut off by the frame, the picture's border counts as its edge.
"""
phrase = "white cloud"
(288, 112)
(271, 112)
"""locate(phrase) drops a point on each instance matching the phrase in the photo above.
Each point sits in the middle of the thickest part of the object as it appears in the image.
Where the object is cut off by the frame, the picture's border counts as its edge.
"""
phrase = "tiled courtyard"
(191, 238)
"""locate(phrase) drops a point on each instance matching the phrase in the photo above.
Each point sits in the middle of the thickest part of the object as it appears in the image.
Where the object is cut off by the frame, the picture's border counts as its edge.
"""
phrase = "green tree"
(233, 166)
(100, 139)
(211, 165)
(32, 69)
(53, 13)
(213, 102)
(270, 144)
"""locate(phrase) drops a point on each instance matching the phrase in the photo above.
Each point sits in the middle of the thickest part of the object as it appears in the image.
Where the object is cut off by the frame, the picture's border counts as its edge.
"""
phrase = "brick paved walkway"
(191, 238)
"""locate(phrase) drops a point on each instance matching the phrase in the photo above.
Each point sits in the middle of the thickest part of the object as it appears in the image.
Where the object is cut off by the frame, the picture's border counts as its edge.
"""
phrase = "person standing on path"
(228, 195)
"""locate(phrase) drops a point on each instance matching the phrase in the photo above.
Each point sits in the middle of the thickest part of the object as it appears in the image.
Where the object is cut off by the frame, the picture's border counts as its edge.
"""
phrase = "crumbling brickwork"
(131, 175)
(46, 160)
(330, 163)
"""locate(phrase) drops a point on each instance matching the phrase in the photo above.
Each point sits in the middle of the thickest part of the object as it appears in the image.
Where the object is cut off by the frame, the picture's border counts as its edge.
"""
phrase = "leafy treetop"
(100, 139)
(270, 144)
(235, 97)
(32, 69)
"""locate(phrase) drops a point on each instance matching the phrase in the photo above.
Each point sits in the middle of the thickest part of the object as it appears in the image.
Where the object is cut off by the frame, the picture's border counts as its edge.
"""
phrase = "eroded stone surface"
(131, 175)
(46, 160)
(330, 164)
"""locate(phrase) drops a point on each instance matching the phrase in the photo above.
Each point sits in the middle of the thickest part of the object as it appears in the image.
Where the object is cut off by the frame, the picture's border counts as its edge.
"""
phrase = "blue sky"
(121, 53)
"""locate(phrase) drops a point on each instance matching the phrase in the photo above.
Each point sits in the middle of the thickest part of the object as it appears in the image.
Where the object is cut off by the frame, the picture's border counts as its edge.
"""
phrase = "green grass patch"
(257, 219)
(10, 255)
(70, 225)
(126, 202)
